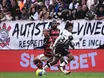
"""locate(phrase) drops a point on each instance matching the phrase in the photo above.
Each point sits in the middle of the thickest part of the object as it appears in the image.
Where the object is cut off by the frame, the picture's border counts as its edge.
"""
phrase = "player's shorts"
(61, 50)
(42, 57)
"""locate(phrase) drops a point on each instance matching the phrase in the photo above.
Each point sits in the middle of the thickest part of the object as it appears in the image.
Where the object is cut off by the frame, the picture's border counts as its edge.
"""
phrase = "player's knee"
(70, 58)
(35, 61)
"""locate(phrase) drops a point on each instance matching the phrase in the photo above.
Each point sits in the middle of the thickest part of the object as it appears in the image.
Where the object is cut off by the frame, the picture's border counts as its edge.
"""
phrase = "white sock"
(66, 61)
(62, 64)
(62, 70)
(45, 67)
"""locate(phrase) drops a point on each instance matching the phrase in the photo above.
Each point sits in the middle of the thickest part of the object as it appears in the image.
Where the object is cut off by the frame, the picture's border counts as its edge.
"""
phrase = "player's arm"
(77, 40)
(71, 43)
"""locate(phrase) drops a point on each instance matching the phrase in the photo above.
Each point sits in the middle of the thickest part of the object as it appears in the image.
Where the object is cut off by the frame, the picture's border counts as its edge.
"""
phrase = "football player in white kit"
(61, 47)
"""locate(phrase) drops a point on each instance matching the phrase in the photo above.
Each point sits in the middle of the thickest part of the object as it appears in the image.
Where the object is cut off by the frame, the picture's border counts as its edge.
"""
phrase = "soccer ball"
(40, 72)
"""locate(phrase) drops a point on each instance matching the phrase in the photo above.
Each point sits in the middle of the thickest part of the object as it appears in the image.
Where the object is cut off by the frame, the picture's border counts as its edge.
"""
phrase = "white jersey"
(65, 35)
(63, 39)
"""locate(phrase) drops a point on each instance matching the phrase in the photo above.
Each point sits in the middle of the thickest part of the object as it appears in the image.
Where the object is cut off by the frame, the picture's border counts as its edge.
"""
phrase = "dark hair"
(102, 6)
(68, 24)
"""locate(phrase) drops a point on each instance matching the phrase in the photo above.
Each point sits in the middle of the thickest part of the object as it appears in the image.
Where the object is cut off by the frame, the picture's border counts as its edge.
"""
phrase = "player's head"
(55, 24)
(45, 32)
(69, 26)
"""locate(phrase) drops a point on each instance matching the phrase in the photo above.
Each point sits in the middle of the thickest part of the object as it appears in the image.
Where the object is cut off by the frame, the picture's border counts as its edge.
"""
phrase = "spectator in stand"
(64, 5)
(91, 12)
(47, 3)
(84, 11)
(33, 14)
(8, 16)
(51, 11)
(37, 7)
(66, 15)
(78, 14)
(44, 14)
(83, 2)
(58, 15)
(14, 6)
(41, 4)
(73, 7)
(21, 4)
(57, 5)
(18, 13)
(2, 16)
(100, 12)
(24, 15)
(28, 4)
(4, 9)
(6, 3)
(93, 8)
(91, 2)
(59, 9)
(7, 13)
(31, 6)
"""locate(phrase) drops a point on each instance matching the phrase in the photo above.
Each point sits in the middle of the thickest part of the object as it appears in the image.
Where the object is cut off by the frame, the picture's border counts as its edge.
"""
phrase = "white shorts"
(42, 57)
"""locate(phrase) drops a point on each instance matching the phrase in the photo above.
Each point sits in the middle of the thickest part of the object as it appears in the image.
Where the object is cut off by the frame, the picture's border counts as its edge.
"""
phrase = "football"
(40, 72)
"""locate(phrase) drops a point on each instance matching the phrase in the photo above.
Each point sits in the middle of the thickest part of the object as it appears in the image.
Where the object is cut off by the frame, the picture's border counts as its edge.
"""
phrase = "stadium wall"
(22, 61)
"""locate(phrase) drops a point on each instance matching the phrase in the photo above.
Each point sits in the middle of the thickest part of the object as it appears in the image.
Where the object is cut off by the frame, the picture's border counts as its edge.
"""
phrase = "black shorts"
(61, 50)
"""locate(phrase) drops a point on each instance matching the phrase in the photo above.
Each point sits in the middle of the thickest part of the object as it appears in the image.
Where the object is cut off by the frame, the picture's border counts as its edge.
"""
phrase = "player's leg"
(58, 53)
(38, 63)
(62, 66)
(64, 62)
(55, 57)
(61, 62)
(52, 61)
(38, 60)
(70, 58)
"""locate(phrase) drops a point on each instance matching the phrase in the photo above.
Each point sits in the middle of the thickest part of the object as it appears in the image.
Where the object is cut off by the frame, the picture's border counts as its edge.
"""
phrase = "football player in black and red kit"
(47, 51)
(54, 31)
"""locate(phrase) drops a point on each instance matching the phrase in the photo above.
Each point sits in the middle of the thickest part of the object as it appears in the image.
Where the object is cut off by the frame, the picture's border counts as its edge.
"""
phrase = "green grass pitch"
(52, 75)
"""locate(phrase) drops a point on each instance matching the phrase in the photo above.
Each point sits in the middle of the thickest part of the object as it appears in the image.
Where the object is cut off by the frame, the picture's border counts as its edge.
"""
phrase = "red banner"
(22, 60)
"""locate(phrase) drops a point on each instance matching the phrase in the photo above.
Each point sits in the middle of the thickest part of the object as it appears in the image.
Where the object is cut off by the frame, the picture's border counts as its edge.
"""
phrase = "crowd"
(49, 9)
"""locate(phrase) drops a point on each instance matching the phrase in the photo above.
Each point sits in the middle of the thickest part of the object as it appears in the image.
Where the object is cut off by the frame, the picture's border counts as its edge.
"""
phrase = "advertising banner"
(22, 60)
(28, 34)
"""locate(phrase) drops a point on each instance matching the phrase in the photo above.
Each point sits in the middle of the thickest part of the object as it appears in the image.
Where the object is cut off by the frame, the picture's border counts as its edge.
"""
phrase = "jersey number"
(62, 39)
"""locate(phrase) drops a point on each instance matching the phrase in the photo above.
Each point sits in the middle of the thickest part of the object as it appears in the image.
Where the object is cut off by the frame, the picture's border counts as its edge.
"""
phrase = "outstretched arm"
(72, 44)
